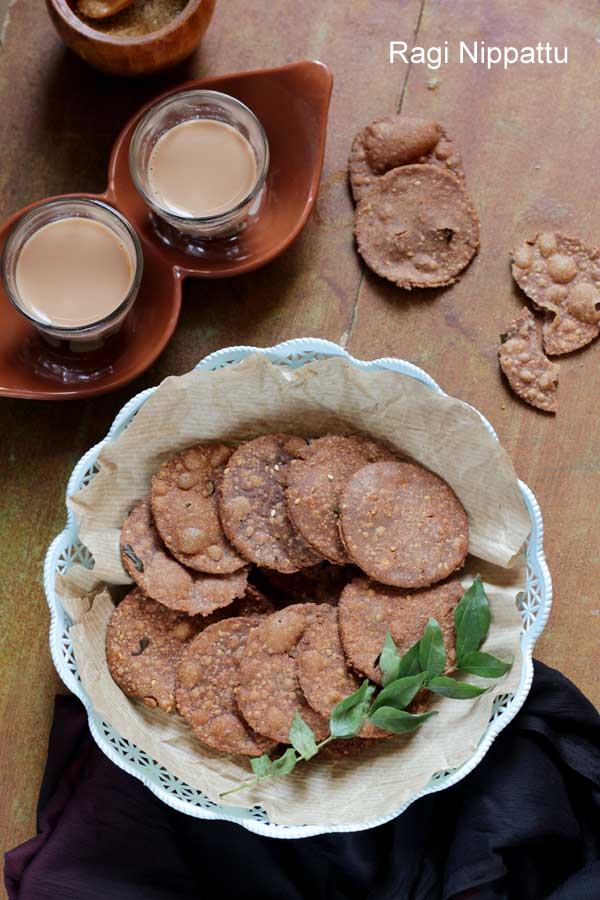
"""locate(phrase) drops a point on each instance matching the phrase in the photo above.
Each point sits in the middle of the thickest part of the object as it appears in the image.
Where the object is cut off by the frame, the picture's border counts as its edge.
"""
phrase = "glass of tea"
(73, 268)
(199, 159)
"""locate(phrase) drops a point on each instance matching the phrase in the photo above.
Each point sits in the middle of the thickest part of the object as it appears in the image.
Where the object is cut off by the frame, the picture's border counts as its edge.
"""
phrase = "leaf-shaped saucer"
(292, 103)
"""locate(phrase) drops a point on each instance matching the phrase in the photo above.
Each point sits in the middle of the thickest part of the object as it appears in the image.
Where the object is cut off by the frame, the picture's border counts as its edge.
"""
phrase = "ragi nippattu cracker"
(367, 611)
(323, 672)
(269, 692)
(392, 141)
(207, 678)
(315, 481)
(403, 525)
(417, 227)
(185, 509)
(252, 506)
(166, 580)
(144, 643)
(529, 372)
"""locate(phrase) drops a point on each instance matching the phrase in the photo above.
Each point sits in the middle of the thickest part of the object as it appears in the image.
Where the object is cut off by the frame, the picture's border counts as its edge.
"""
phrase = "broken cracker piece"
(530, 373)
(561, 275)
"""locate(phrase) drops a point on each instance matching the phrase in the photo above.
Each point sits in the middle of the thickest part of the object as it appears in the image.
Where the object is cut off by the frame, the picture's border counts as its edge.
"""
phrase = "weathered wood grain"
(530, 149)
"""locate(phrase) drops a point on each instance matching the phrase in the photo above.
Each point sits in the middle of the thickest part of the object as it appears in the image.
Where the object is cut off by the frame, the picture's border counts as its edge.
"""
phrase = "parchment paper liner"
(251, 398)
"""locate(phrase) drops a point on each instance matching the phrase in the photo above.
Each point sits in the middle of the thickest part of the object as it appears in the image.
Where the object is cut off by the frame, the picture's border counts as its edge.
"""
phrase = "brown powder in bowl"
(142, 17)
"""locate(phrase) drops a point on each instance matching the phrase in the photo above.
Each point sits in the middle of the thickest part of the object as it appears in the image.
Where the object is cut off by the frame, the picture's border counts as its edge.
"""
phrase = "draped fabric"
(524, 825)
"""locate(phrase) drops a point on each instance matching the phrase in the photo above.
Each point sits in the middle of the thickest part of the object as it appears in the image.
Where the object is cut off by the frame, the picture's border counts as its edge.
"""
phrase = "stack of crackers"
(415, 223)
(267, 577)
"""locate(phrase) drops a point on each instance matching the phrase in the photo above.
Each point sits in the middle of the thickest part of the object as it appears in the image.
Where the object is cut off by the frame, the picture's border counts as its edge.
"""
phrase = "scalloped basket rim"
(136, 762)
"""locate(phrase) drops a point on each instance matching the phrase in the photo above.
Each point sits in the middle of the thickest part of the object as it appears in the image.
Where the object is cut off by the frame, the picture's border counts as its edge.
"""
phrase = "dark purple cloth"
(524, 825)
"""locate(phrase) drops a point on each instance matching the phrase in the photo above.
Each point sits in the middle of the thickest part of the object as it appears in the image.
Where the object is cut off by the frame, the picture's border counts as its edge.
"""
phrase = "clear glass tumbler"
(91, 335)
(184, 107)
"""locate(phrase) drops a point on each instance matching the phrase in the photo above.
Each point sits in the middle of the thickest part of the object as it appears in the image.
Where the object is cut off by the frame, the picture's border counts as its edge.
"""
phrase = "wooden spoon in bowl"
(101, 9)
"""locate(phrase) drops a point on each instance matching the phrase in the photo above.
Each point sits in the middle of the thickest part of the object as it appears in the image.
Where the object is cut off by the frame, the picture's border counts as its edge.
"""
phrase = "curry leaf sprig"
(428, 656)
(422, 667)
(347, 718)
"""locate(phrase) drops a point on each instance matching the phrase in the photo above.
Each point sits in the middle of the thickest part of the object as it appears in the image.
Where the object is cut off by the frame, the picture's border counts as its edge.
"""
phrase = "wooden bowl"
(133, 55)
(28, 369)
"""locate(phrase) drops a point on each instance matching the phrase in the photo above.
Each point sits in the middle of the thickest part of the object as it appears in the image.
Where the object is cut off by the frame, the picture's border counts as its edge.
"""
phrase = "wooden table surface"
(531, 145)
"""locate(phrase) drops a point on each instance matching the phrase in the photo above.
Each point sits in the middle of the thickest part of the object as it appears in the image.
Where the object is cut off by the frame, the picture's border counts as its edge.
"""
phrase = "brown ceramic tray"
(292, 103)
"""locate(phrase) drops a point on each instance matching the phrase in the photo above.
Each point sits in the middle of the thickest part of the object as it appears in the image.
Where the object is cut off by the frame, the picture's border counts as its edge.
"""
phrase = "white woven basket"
(66, 549)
